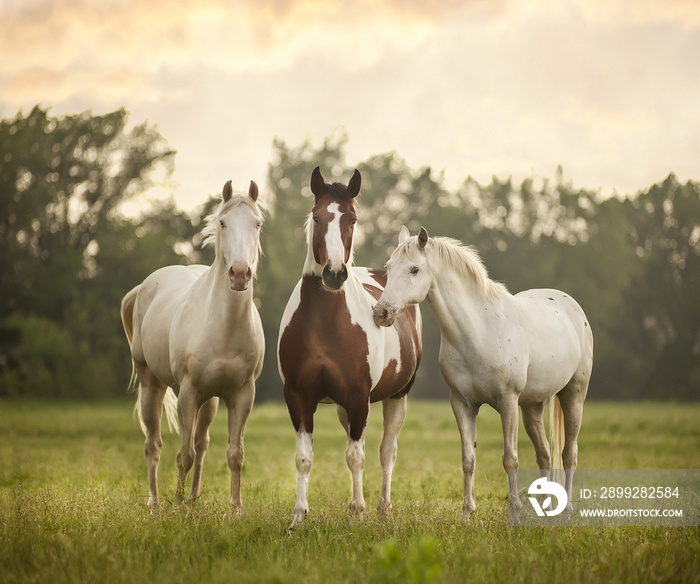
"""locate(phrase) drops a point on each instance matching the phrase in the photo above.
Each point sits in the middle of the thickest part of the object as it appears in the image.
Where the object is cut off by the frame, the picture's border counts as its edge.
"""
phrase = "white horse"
(498, 349)
(197, 330)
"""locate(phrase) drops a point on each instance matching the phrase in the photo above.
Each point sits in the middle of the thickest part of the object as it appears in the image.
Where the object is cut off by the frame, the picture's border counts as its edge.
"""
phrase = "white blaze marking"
(334, 243)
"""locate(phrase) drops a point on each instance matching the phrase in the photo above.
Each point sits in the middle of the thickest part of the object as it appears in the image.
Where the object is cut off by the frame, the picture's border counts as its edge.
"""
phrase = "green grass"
(73, 493)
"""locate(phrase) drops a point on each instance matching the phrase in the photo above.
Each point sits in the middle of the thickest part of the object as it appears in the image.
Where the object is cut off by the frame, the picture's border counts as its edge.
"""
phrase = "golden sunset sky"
(609, 89)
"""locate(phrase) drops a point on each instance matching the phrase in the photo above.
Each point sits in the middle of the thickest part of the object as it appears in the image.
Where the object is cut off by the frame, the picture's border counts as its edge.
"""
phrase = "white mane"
(463, 259)
(211, 223)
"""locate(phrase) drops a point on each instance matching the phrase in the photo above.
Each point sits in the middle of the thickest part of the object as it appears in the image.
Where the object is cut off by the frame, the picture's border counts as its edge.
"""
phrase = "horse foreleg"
(356, 426)
(465, 413)
(508, 408)
(186, 412)
(534, 426)
(238, 414)
(304, 459)
(205, 416)
(394, 414)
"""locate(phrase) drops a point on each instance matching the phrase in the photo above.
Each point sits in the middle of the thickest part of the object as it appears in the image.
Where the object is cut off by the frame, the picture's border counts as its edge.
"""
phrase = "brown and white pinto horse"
(330, 349)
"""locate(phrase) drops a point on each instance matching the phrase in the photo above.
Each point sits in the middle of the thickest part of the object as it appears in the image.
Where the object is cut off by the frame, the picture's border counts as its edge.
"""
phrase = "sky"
(609, 89)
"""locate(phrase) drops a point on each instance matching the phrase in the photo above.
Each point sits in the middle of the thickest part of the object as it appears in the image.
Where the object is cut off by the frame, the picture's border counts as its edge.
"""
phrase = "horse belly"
(158, 300)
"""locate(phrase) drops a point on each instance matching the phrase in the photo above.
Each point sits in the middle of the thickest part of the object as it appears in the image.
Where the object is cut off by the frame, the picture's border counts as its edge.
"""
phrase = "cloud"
(609, 88)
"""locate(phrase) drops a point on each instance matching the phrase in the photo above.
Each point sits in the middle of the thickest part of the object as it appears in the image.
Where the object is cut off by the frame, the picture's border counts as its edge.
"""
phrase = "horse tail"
(556, 429)
(170, 399)
(127, 314)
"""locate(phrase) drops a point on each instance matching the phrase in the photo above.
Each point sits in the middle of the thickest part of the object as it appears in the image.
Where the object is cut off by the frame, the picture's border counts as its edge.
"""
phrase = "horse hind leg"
(534, 426)
(151, 394)
(394, 414)
(571, 399)
(205, 417)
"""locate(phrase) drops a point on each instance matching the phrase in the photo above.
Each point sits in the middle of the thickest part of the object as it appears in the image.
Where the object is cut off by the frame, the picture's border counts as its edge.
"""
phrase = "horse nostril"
(248, 274)
(343, 273)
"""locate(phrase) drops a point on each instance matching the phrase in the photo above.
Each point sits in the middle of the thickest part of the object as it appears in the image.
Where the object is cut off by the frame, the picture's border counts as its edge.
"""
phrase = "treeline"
(68, 255)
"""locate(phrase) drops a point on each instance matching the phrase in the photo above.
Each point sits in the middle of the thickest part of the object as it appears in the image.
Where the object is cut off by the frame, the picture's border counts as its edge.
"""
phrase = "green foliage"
(64, 261)
(67, 255)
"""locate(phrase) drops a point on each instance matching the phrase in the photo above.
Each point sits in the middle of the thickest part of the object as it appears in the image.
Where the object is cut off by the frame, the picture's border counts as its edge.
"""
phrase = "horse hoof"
(384, 509)
(357, 509)
(466, 515)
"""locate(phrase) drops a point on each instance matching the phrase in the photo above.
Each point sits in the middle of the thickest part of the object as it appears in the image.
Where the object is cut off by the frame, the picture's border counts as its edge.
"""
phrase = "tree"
(661, 320)
(61, 183)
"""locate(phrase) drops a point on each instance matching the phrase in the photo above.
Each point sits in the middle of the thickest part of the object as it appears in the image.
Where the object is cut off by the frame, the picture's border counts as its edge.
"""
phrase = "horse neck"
(463, 314)
(224, 304)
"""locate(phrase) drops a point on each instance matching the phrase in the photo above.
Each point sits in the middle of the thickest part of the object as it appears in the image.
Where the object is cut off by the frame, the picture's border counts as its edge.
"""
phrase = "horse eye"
(258, 225)
(354, 221)
(315, 219)
(221, 222)
(414, 270)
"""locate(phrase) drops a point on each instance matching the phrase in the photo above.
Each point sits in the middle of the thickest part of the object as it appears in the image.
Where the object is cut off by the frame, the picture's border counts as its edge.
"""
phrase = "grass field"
(73, 493)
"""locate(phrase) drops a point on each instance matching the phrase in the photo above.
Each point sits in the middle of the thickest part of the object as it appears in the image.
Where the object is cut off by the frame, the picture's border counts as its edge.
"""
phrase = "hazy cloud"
(607, 88)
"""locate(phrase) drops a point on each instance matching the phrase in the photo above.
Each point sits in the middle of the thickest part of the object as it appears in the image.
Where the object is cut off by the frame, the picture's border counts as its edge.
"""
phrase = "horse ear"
(422, 238)
(318, 184)
(227, 192)
(253, 190)
(403, 234)
(354, 184)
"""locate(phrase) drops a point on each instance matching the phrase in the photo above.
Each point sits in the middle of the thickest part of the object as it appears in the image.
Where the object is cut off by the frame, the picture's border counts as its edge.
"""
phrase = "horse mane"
(211, 223)
(463, 259)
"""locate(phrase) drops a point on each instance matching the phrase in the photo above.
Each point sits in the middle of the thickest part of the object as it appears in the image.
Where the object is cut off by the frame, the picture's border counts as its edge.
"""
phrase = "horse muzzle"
(334, 279)
(239, 277)
(384, 314)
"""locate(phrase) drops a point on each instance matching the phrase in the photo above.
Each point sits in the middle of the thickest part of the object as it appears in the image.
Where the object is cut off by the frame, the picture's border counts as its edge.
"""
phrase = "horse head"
(334, 219)
(238, 235)
(408, 278)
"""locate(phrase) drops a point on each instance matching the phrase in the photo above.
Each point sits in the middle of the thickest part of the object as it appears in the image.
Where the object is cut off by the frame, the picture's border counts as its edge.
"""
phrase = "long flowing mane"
(463, 259)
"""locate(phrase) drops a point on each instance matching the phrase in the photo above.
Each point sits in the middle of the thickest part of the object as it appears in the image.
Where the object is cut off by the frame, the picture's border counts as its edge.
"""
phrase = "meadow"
(73, 493)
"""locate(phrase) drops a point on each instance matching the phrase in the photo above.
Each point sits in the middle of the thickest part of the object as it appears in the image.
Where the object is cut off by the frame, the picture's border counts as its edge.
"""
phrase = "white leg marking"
(355, 457)
(304, 459)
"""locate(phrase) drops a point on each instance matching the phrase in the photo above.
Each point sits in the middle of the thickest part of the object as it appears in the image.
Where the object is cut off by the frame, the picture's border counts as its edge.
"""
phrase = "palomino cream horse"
(197, 330)
(498, 349)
